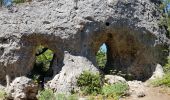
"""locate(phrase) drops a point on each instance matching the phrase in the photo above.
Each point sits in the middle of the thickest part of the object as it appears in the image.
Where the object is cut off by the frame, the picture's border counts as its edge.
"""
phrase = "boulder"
(66, 80)
(22, 88)
(158, 73)
(112, 79)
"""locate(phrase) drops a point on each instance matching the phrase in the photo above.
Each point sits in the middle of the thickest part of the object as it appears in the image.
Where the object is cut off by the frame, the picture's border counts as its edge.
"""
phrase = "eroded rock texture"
(22, 88)
(130, 29)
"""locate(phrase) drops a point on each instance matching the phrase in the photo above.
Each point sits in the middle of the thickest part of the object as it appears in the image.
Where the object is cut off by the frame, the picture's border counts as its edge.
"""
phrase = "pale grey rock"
(22, 88)
(66, 80)
(112, 79)
(137, 88)
(141, 94)
(158, 73)
(129, 28)
(2, 87)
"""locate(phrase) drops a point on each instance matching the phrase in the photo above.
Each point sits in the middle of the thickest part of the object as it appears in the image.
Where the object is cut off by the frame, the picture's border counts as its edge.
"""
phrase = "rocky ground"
(143, 91)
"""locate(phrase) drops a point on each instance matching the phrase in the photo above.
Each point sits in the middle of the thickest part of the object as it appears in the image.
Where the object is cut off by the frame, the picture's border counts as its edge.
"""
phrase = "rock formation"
(135, 41)
(22, 88)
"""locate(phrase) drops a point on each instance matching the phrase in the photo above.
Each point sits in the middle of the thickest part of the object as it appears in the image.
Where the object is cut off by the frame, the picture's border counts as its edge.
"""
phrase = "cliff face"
(74, 31)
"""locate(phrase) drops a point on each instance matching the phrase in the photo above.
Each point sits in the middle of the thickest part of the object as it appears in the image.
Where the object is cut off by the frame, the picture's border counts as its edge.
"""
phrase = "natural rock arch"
(131, 32)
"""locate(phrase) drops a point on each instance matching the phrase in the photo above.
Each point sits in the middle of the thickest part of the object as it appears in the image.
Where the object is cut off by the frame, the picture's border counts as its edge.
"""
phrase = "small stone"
(141, 94)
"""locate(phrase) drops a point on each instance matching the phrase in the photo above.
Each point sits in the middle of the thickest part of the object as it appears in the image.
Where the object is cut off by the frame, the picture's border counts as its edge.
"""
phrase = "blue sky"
(103, 47)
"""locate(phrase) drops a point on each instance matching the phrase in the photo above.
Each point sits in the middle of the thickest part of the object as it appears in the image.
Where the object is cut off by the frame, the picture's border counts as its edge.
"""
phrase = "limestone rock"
(158, 73)
(66, 81)
(129, 28)
(112, 79)
(22, 88)
(137, 88)
(2, 87)
(141, 94)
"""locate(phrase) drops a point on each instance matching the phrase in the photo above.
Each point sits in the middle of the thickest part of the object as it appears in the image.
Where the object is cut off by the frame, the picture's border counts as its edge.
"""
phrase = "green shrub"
(90, 83)
(45, 58)
(101, 58)
(165, 81)
(19, 1)
(72, 97)
(2, 95)
(64, 97)
(49, 95)
(115, 90)
(60, 97)
(167, 65)
(46, 95)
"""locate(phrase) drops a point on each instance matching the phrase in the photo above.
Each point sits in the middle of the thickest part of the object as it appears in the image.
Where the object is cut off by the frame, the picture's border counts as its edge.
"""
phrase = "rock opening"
(101, 56)
(42, 70)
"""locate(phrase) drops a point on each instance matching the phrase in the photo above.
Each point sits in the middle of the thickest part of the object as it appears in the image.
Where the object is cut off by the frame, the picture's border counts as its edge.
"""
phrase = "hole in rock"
(107, 24)
(43, 66)
(101, 56)
(122, 55)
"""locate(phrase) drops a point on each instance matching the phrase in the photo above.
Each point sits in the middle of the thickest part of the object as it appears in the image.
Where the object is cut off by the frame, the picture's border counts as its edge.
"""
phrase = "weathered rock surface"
(2, 87)
(158, 73)
(129, 28)
(112, 79)
(137, 89)
(66, 81)
(22, 88)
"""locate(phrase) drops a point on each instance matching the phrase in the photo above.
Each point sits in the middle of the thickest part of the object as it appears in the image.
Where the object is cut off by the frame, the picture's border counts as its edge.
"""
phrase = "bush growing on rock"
(46, 95)
(2, 95)
(165, 81)
(90, 83)
(115, 90)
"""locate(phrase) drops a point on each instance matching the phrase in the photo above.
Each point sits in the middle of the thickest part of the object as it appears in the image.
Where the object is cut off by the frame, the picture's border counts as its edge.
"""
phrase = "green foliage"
(72, 97)
(44, 58)
(165, 81)
(64, 97)
(115, 90)
(19, 1)
(167, 66)
(42, 65)
(2, 95)
(60, 97)
(101, 58)
(49, 95)
(165, 20)
(46, 95)
(90, 83)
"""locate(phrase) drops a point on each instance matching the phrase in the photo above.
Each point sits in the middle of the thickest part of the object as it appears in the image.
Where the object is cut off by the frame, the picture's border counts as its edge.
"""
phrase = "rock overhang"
(132, 24)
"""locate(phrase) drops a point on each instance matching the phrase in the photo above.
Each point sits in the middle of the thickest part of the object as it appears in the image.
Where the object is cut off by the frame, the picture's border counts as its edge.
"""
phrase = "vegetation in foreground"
(90, 83)
(165, 81)
(91, 87)
(2, 95)
(49, 95)
(115, 90)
